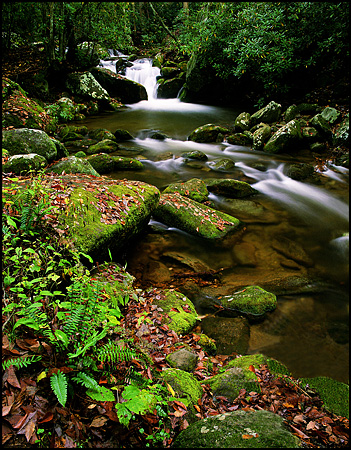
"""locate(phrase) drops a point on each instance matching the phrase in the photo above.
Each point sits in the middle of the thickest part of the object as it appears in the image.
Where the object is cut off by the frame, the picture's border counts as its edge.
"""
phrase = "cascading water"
(143, 72)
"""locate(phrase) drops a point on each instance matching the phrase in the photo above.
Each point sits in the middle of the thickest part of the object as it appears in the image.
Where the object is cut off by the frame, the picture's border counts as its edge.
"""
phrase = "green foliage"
(94, 390)
(59, 386)
(19, 363)
(113, 353)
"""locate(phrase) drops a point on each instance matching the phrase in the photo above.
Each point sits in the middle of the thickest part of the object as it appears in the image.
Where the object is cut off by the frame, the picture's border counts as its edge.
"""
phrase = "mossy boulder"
(222, 165)
(127, 91)
(238, 429)
(239, 139)
(274, 366)
(331, 115)
(230, 382)
(342, 134)
(62, 151)
(300, 171)
(23, 164)
(261, 136)
(208, 344)
(104, 146)
(182, 359)
(102, 133)
(301, 109)
(125, 163)
(207, 133)
(181, 312)
(195, 189)
(72, 164)
(268, 114)
(85, 85)
(321, 124)
(22, 141)
(122, 135)
(229, 187)
(285, 138)
(184, 384)
(188, 215)
(101, 162)
(169, 88)
(195, 154)
(242, 122)
(19, 111)
(94, 227)
(81, 154)
(251, 301)
(66, 130)
(335, 394)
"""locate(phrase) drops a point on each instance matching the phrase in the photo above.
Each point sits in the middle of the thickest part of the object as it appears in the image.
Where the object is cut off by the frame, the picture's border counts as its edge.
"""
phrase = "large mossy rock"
(268, 114)
(72, 164)
(301, 109)
(238, 429)
(104, 146)
(106, 214)
(188, 215)
(85, 85)
(23, 141)
(251, 300)
(239, 139)
(184, 384)
(229, 187)
(207, 133)
(242, 122)
(335, 394)
(104, 163)
(195, 189)
(342, 134)
(180, 310)
(169, 88)
(285, 138)
(117, 86)
(19, 111)
(23, 164)
(222, 165)
(261, 136)
(274, 366)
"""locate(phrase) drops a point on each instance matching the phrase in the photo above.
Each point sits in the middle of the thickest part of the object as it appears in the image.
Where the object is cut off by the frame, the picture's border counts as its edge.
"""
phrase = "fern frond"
(95, 391)
(85, 380)
(71, 327)
(113, 353)
(19, 363)
(59, 386)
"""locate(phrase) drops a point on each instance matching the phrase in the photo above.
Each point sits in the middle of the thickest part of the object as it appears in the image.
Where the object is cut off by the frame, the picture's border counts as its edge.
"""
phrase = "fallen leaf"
(11, 377)
(99, 421)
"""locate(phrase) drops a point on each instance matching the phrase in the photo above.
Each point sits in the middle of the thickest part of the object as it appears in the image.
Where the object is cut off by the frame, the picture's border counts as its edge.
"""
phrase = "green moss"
(184, 384)
(251, 300)
(244, 362)
(230, 382)
(195, 189)
(335, 394)
(208, 344)
(207, 133)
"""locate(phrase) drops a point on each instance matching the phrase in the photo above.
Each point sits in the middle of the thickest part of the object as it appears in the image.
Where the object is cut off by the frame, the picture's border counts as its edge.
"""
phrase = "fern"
(71, 327)
(59, 386)
(113, 354)
(19, 363)
(95, 391)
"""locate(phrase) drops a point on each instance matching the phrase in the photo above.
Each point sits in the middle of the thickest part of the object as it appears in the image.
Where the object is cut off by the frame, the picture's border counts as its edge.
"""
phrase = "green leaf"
(101, 395)
(123, 413)
(61, 336)
(59, 386)
(28, 322)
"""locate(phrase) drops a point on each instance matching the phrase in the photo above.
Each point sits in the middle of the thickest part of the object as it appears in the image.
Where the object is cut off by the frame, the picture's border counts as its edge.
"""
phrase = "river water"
(293, 230)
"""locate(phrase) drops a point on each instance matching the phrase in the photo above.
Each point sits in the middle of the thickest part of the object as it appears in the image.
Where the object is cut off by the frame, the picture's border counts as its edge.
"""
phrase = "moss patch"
(230, 382)
(184, 384)
(195, 189)
(251, 300)
(244, 362)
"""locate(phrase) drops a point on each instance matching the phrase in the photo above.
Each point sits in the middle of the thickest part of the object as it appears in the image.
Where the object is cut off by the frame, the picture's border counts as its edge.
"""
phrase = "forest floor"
(33, 417)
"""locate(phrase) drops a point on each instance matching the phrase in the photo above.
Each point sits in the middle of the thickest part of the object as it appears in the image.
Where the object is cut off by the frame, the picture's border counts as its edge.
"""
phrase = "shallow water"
(308, 332)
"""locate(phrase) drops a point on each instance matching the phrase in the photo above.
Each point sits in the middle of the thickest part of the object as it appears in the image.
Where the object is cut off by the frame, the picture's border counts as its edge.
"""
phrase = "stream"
(309, 329)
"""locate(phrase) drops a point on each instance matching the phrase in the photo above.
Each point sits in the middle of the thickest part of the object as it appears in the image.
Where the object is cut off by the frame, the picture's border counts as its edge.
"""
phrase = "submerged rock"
(229, 187)
(238, 429)
(188, 215)
(251, 301)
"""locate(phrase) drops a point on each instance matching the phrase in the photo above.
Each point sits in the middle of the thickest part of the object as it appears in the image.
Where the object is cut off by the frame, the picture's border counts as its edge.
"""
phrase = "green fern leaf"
(59, 386)
(101, 395)
(20, 362)
(86, 380)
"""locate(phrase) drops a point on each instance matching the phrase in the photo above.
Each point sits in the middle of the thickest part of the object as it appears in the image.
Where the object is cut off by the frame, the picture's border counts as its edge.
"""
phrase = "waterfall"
(144, 73)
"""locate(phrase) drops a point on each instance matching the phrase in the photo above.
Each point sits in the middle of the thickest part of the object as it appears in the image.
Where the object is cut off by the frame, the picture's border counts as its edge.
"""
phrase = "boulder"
(184, 384)
(268, 114)
(188, 215)
(169, 88)
(222, 165)
(71, 164)
(94, 227)
(238, 429)
(229, 187)
(207, 133)
(239, 139)
(62, 151)
(251, 301)
(231, 334)
(331, 115)
(169, 72)
(101, 133)
(178, 311)
(285, 138)
(69, 132)
(26, 140)
(122, 135)
(104, 146)
(23, 164)
(321, 124)
(274, 366)
(208, 344)
(195, 189)
(341, 136)
(195, 154)
(85, 85)
(302, 108)
(261, 136)
(183, 359)
(300, 171)
(117, 86)
(19, 111)
(242, 122)
(310, 135)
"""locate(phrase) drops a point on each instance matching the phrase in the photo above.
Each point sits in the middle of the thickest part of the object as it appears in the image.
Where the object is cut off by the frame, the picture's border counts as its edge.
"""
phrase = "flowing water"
(309, 330)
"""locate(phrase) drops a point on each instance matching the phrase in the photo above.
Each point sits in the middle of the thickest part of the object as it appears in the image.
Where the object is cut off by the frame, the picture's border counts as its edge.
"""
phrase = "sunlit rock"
(84, 84)
(242, 122)
(195, 189)
(25, 141)
(23, 164)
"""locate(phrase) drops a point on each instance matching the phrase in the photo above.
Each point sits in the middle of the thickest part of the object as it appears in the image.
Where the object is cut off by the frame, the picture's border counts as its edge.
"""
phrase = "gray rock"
(84, 83)
(183, 359)
(268, 114)
(26, 140)
(23, 164)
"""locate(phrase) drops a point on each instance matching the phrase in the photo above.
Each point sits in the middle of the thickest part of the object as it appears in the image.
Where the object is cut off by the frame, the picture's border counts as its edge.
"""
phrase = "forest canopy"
(267, 41)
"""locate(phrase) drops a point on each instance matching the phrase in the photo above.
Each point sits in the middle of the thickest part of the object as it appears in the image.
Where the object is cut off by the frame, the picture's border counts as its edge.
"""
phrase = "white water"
(144, 73)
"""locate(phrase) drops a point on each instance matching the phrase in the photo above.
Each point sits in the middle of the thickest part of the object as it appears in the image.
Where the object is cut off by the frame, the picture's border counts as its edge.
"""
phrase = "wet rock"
(321, 124)
(101, 133)
(208, 344)
(222, 165)
(122, 135)
(23, 164)
(195, 189)
(245, 254)
(239, 139)
(178, 211)
(156, 272)
(23, 141)
(264, 428)
(187, 260)
(207, 133)
(230, 382)
(84, 84)
(341, 136)
(248, 211)
(158, 136)
(169, 88)
(242, 122)
(104, 146)
(285, 138)
(331, 115)
(251, 301)
(318, 147)
(185, 385)
(292, 250)
(230, 334)
(182, 359)
(195, 154)
(268, 114)
(261, 136)
(71, 164)
(310, 135)
(302, 108)
(300, 171)
(67, 130)
(229, 187)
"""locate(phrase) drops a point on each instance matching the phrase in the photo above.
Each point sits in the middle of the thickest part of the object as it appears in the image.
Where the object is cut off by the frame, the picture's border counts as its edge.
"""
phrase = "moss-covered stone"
(181, 312)
(73, 165)
(302, 108)
(274, 366)
(207, 133)
(122, 135)
(230, 382)
(261, 136)
(229, 187)
(238, 429)
(342, 134)
(222, 164)
(23, 164)
(242, 122)
(184, 384)
(331, 115)
(268, 114)
(322, 125)
(102, 133)
(124, 163)
(287, 136)
(300, 171)
(335, 394)
(239, 139)
(67, 129)
(81, 154)
(22, 141)
(104, 146)
(84, 83)
(182, 359)
(104, 163)
(251, 300)
(195, 154)
(194, 218)
(195, 189)
(208, 344)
